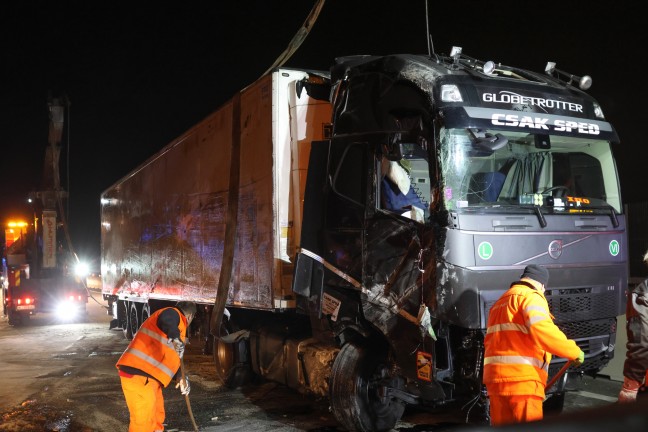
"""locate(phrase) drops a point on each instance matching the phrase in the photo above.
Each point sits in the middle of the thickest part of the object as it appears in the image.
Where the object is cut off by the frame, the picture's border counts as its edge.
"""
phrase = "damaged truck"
(345, 232)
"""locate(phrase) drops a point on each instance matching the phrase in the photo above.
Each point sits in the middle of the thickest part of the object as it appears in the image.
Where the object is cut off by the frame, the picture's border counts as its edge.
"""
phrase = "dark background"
(139, 74)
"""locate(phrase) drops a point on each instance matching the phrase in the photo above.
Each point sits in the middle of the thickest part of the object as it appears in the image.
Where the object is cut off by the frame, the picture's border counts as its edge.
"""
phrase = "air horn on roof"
(584, 82)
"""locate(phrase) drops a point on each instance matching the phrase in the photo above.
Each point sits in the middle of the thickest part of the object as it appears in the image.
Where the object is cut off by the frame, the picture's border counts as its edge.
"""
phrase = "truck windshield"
(525, 169)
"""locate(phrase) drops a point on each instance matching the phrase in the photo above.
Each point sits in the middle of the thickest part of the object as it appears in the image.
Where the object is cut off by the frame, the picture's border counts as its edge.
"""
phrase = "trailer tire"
(123, 314)
(232, 360)
(354, 401)
(134, 317)
(146, 312)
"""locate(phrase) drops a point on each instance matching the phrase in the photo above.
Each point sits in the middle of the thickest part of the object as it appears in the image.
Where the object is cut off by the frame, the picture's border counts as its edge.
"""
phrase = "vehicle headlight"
(67, 310)
(81, 269)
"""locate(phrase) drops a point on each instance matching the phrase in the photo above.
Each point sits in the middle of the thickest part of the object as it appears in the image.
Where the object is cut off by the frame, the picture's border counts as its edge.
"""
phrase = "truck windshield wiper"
(541, 218)
(611, 212)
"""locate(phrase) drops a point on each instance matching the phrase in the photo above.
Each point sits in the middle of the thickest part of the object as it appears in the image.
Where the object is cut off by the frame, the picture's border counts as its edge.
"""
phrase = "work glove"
(184, 385)
(628, 393)
(580, 359)
(178, 346)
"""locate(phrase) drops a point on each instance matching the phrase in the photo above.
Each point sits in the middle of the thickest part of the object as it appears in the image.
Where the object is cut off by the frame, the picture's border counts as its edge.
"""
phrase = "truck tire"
(134, 317)
(232, 360)
(13, 318)
(354, 400)
(16, 318)
(146, 312)
(123, 314)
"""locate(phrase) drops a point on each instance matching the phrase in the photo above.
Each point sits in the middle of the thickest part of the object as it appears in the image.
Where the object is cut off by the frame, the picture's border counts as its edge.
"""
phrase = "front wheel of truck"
(356, 400)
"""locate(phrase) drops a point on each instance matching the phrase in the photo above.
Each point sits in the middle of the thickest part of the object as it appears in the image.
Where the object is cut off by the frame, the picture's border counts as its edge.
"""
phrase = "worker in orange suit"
(151, 361)
(520, 339)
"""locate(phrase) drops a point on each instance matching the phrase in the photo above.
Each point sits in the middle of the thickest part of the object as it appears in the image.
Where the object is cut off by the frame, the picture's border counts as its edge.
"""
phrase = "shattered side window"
(350, 178)
(405, 187)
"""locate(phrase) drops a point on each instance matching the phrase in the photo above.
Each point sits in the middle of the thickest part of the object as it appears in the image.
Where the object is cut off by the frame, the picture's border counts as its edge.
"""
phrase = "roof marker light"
(450, 93)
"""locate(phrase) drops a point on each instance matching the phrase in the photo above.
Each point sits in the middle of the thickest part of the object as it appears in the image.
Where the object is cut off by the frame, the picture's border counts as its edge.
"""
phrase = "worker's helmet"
(188, 309)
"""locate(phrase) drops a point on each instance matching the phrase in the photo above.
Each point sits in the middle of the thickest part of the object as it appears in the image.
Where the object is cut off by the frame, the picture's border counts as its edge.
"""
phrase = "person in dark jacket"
(635, 366)
(151, 361)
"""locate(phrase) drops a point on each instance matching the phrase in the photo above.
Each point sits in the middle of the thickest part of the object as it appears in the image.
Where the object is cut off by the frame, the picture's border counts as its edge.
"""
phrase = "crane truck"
(345, 232)
(37, 260)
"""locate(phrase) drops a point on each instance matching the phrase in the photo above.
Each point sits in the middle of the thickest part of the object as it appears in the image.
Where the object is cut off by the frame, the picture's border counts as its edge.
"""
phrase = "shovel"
(558, 375)
(193, 421)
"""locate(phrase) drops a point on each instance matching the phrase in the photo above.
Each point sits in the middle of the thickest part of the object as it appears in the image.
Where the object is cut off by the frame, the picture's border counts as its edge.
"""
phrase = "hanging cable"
(299, 37)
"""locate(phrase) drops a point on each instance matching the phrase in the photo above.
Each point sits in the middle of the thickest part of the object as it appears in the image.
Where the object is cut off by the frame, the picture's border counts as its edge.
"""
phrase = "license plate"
(25, 307)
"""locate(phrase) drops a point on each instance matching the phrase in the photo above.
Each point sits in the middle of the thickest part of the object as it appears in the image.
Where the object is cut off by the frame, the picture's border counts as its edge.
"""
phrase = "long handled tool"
(193, 421)
(558, 375)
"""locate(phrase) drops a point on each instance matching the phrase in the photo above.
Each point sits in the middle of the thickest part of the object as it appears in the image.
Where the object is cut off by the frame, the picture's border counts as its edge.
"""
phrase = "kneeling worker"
(151, 361)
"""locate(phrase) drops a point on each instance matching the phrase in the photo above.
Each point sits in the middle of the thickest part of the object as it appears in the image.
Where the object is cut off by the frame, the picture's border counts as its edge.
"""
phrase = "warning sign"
(424, 366)
(330, 306)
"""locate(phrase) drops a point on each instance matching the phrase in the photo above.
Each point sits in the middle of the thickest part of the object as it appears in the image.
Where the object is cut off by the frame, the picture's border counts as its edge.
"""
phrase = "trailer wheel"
(355, 401)
(134, 316)
(232, 360)
(123, 316)
(146, 312)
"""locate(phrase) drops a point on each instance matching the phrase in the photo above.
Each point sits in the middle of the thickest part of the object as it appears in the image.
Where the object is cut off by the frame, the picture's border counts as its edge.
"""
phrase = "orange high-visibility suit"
(520, 336)
(149, 363)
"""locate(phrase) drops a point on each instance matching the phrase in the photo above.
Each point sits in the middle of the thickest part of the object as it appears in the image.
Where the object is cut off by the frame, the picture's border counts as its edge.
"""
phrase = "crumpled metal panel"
(400, 282)
(393, 258)
(373, 88)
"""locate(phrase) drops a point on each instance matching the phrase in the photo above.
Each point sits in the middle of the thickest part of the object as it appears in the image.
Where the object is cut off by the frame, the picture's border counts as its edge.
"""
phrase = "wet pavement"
(61, 377)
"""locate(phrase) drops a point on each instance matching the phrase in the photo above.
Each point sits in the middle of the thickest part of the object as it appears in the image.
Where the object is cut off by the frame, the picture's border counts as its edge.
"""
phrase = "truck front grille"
(580, 304)
(587, 329)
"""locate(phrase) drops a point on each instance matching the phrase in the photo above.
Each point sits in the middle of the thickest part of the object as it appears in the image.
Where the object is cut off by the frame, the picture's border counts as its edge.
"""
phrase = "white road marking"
(595, 396)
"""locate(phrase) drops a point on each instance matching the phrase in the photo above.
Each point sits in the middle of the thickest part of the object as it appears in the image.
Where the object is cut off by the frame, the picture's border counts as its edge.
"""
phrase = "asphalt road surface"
(61, 376)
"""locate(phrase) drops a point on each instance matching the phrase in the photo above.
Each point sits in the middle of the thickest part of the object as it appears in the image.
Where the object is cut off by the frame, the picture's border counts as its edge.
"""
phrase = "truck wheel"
(355, 401)
(13, 318)
(123, 314)
(134, 318)
(232, 360)
(146, 312)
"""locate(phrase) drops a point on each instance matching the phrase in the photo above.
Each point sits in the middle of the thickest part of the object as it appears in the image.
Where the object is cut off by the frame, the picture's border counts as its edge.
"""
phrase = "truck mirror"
(483, 141)
(412, 151)
(392, 148)
(400, 146)
(542, 141)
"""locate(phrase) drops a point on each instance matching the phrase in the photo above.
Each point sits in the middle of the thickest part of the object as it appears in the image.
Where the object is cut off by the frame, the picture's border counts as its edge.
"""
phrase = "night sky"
(138, 75)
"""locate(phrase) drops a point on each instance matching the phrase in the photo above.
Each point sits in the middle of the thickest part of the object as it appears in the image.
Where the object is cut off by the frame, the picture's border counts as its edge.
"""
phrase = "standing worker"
(519, 341)
(151, 361)
(635, 367)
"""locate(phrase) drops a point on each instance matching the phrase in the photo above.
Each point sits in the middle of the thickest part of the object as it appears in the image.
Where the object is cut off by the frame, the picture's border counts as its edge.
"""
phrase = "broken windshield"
(488, 167)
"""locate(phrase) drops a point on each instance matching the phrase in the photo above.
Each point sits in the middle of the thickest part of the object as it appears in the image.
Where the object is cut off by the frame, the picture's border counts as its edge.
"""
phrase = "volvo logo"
(555, 249)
